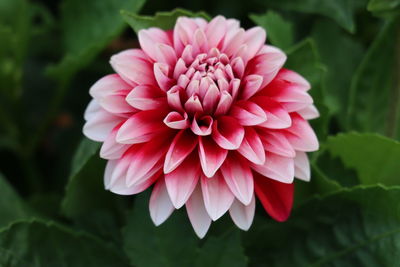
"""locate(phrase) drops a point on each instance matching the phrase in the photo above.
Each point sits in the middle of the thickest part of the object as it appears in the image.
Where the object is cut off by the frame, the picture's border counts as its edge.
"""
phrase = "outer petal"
(110, 148)
(302, 166)
(239, 178)
(309, 113)
(276, 142)
(217, 196)
(146, 97)
(228, 133)
(248, 113)
(252, 148)
(276, 167)
(300, 135)
(160, 204)
(197, 213)
(182, 145)
(215, 31)
(149, 39)
(276, 197)
(182, 181)
(277, 116)
(243, 215)
(211, 156)
(254, 39)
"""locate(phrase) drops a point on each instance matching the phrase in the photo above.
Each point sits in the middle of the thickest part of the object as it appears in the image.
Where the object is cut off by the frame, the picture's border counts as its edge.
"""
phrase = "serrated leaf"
(88, 27)
(37, 244)
(374, 157)
(303, 58)
(162, 20)
(12, 207)
(279, 31)
(370, 91)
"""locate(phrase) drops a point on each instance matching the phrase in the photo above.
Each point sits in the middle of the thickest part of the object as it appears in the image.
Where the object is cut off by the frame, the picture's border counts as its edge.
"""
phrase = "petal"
(254, 38)
(238, 67)
(211, 98)
(141, 127)
(165, 54)
(161, 73)
(277, 143)
(120, 188)
(252, 148)
(300, 135)
(160, 204)
(182, 145)
(175, 120)
(149, 38)
(202, 126)
(243, 215)
(228, 133)
(193, 105)
(215, 31)
(294, 78)
(308, 113)
(217, 196)
(174, 98)
(197, 213)
(276, 197)
(302, 166)
(110, 148)
(146, 97)
(276, 167)
(252, 84)
(248, 113)
(277, 116)
(133, 67)
(239, 178)
(182, 181)
(211, 156)
(224, 103)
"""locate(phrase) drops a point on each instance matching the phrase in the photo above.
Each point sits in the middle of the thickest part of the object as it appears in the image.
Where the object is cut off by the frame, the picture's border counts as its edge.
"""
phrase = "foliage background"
(54, 210)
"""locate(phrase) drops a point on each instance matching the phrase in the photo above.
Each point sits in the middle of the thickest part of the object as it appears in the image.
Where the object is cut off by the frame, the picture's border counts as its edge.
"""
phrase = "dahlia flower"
(205, 113)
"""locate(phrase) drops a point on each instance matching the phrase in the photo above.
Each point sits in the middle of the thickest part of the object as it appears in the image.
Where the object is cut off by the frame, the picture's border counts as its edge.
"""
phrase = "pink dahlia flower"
(207, 114)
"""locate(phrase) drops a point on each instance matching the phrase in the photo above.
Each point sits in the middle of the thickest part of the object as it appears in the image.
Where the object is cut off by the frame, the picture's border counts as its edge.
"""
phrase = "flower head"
(207, 114)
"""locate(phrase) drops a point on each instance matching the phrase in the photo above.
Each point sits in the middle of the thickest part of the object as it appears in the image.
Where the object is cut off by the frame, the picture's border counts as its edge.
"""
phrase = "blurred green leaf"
(12, 207)
(384, 6)
(303, 58)
(371, 86)
(88, 26)
(341, 63)
(374, 157)
(341, 11)
(163, 20)
(37, 244)
(279, 31)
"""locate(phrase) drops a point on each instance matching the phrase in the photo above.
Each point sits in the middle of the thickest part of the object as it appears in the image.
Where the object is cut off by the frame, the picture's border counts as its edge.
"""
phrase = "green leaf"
(163, 20)
(171, 244)
(223, 251)
(303, 58)
(374, 157)
(356, 227)
(37, 244)
(370, 90)
(341, 63)
(88, 26)
(12, 207)
(279, 31)
(341, 11)
(384, 6)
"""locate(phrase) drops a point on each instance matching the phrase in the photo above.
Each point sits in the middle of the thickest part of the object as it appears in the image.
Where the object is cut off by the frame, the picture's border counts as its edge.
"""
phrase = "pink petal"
(160, 204)
(252, 148)
(110, 148)
(228, 133)
(197, 213)
(180, 68)
(239, 178)
(142, 127)
(217, 196)
(238, 67)
(243, 215)
(161, 73)
(165, 54)
(277, 116)
(277, 143)
(308, 113)
(200, 43)
(248, 113)
(146, 97)
(255, 39)
(215, 31)
(182, 145)
(149, 38)
(277, 168)
(294, 79)
(182, 181)
(174, 98)
(252, 84)
(120, 187)
(193, 105)
(202, 126)
(233, 41)
(211, 98)
(133, 67)
(302, 166)
(300, 135)
(175, 120)
(224, 103)
(211, 156)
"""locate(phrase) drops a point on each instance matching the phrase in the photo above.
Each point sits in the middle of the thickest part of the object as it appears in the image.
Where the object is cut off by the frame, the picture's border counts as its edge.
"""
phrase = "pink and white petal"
(175, 120)
(116, 169)
(202, 126)
(110, 148)
(120, 187)
(133, 67)
(252, 84)
(302, 166)
(215, 31)
(276, 142)
(160, 204)
(110, 167)
(211, 156)
(182, 181)
(228, 133)
(182, 145)
(294, 78)
(239, 178)
(217, 196)
(277, 168)
(243, 215)
(146, 97)
(165, 54)
(248, 113)
(149, 38)
(252, 148)
(91, 110)
(224, 103)
(277, 116)
(232, 41)
(300, 135)
(161, 73)
(197, 213)
(309, 113)
(183, 32)
(254, 38)
(142, 127)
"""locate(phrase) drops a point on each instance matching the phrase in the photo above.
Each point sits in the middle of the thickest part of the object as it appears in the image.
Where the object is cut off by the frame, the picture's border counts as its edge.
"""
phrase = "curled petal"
(211, 156)
(174, 98)
(202, 126)
(175, 120)
(243, 215)
(224, 103)
(228, 133)
(161, 72)
(193, 105)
